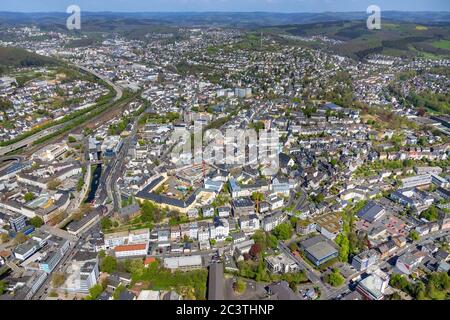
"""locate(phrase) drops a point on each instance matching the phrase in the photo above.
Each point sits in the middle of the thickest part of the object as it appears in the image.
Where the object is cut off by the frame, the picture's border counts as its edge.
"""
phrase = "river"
(94, 184)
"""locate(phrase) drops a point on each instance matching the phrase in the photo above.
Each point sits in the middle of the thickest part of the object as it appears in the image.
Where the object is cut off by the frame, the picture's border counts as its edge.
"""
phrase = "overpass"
(28, 141)
(11, 158)
(31, 139)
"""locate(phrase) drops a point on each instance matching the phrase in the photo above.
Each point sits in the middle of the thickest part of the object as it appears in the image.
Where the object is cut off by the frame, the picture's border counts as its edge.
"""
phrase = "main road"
(31, 139)
(119, 92)
(117, 167)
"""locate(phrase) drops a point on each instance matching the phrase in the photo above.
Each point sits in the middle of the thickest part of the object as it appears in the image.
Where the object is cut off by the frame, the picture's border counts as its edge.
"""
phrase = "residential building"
(183, 263)
(224, 212)
(416, 181)
(131, 250)
(89, 273)
(271, 221)
(371, 212)
(365, 259)
(17, 222)
(249, 224)
(26, 249)
(374, 286)
(281, 264)
(408, 262)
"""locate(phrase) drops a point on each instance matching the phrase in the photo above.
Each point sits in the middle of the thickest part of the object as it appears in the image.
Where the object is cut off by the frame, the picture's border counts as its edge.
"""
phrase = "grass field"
(421, 28)
(389, 25)
(424, 54)
(442, 44)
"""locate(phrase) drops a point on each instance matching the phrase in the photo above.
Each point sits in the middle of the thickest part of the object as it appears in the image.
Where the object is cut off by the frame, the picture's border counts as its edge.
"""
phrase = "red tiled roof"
(5, 254)
(149, 260)
(130, 247)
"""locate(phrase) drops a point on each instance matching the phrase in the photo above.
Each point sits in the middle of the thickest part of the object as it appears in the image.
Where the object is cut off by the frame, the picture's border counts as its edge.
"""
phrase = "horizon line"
(226, 11)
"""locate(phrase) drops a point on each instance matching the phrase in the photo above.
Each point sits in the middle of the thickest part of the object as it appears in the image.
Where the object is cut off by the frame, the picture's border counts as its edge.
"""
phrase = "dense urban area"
(94, 203)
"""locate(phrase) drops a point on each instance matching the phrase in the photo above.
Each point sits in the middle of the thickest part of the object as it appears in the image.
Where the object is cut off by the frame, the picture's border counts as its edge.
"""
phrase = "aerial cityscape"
(194, 150)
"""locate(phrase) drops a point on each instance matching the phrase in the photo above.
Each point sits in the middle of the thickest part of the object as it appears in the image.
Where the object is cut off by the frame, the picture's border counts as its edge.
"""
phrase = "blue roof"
(371, 212)
(213, 185)
(234, 186)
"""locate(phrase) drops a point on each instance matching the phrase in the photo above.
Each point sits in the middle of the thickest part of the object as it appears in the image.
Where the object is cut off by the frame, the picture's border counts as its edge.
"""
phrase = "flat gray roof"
(321, 250)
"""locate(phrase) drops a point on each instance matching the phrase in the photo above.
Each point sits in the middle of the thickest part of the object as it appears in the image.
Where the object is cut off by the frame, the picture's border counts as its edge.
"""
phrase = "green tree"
(293, 247)
(414, 235)
(272, 241)
(293, 220)
(106, 223)
(163, 279)
(36, 221)
(398, 281)
(437, 286)
(283, 231)
(118, 291)
(260, 239)
(4, 237)
(417, 290)
(20, 238)
(261, 272)
(80, 184)
(239, 286)
(265, 240)
(344, 247)
(257, 126)
(395, 296)
(431, 214)
(29, 196)
(318, 198)
(335, 278)
(95, 292)
(148, 211)
(257, 197)
(109, 264)
(135, 267)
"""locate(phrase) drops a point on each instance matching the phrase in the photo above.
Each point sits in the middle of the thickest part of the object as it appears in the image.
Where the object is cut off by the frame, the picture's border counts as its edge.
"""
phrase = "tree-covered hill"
(16, 57)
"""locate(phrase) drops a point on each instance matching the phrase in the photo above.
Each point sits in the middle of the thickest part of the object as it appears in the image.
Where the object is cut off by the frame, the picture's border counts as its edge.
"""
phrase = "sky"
(222, 5)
